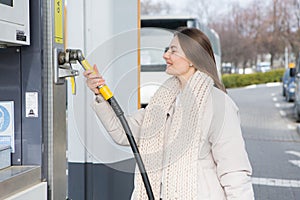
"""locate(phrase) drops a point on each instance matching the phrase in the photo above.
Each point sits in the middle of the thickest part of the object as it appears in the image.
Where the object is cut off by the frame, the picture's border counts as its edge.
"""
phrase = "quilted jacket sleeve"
(228, 149)
(113, 125)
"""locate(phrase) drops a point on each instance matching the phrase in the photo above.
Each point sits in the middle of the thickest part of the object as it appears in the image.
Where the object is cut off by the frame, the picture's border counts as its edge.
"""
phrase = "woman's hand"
(94, 79)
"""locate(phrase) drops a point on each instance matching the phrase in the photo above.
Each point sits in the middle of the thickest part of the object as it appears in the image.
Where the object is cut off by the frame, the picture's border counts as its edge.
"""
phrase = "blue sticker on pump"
(4, 118)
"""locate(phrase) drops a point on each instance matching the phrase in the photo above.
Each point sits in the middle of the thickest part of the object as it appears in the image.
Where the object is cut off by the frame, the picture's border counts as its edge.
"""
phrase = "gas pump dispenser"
(72, 55)
(37, 169)
(34, 66)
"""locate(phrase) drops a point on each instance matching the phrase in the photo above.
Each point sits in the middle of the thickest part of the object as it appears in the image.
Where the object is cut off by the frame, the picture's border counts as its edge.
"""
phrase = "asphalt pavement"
(272, 142)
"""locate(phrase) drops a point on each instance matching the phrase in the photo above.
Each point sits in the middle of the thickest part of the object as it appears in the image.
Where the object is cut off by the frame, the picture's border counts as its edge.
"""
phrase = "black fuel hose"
(120, 114)
(108, 96)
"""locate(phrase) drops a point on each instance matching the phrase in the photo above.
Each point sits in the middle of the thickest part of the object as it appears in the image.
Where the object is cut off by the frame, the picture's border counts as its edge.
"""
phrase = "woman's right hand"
(94, 79)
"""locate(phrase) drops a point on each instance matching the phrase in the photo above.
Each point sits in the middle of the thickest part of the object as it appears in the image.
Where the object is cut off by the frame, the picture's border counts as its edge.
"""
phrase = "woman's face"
(177, 63)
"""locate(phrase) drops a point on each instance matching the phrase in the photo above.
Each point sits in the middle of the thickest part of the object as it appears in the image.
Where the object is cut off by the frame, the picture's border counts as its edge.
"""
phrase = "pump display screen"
(7, 2)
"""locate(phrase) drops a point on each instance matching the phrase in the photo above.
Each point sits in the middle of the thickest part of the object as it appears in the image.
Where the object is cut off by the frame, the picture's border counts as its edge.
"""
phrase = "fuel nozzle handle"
(103, 89)
(77, 55)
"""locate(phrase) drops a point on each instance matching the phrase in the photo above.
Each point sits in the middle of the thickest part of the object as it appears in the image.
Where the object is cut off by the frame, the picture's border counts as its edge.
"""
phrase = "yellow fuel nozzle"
(73, 55)
(104, 89)
(73, 85)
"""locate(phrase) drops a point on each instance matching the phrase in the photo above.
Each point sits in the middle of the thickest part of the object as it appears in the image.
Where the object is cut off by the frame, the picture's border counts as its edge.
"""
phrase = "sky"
(216, 8)
(177, 6)
(217, 3)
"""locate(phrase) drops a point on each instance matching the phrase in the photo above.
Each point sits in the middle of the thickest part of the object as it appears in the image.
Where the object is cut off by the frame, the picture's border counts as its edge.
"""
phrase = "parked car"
(263, 67)
(297, 91)
(288, 84)
(290, 90)
(226, 69)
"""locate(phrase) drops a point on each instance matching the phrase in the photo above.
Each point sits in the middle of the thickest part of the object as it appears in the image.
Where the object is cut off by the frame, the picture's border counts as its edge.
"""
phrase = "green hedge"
(241, 80)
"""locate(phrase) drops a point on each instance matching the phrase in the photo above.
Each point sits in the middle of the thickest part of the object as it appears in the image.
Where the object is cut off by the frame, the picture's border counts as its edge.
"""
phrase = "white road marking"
(276, 182)
(277, 105)
(295, 153)
(282, 113)
(275, 99)
(295, 162)
(273, 94)
(291, 127)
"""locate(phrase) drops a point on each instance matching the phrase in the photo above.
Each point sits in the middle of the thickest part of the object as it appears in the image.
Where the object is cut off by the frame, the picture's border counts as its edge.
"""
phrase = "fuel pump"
(71, 56)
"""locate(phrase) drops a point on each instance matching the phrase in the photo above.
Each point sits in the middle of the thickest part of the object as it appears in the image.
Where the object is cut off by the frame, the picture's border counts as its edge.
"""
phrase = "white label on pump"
(31, 104)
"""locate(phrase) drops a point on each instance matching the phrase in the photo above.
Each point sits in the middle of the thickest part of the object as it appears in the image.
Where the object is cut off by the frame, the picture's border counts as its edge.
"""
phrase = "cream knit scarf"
(174, 151)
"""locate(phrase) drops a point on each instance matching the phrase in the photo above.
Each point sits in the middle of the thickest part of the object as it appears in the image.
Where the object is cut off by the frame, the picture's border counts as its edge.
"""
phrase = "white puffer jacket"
(224, 168)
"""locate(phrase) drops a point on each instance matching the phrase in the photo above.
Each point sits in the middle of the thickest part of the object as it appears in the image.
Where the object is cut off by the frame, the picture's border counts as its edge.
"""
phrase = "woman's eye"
(172, 51)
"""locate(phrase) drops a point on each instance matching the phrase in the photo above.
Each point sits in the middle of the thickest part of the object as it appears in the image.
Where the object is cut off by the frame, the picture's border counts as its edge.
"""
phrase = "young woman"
(189, 135)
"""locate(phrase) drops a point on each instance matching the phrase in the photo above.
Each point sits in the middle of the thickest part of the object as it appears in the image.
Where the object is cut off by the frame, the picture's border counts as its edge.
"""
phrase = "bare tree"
(282, 28)
(263, 27)
(260, 30)
(237, 36)
(269, 34)
(203, 9)
(291, 33)
(230, 41)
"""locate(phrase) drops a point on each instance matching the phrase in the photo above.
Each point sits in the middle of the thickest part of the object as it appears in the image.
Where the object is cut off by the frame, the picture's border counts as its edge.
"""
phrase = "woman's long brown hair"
(198, 49)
